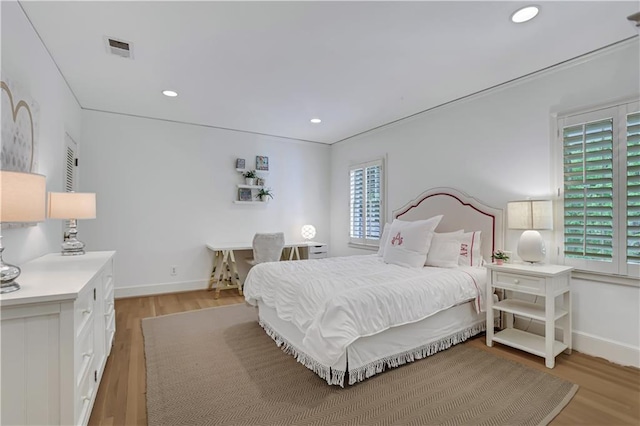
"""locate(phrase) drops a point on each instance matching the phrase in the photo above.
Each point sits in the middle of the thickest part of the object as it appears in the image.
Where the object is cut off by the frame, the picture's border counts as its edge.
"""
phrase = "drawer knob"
(88, 354)
(516, 281)
(86, 311)
(87, 397)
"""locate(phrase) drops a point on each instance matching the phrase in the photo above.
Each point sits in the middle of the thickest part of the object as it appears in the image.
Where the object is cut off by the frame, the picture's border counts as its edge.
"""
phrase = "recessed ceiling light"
(525, 14)
(170, 93)
(315, 120)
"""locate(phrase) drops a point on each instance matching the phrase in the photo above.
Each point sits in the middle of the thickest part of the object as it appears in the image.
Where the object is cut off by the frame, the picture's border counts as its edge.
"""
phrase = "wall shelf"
(259, 172)
(241, 185)
(249, 202)
(248, 194)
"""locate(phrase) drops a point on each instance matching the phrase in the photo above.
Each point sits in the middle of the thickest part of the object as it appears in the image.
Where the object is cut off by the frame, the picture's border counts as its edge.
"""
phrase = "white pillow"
(445, 249)
(384, 239)
(470, 250)
(408, 242)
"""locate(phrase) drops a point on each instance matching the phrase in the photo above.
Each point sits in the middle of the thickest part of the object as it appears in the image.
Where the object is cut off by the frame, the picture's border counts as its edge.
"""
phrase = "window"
(366, 203)
(601, 191)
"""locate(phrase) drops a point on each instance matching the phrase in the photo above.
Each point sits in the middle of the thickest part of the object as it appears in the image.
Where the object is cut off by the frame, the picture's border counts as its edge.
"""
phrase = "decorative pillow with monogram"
(409, 242)
(470, 250)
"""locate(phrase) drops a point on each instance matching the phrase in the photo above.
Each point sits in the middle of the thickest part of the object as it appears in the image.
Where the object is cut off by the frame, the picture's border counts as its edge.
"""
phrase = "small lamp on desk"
(308, 232)
(530, 215)
(72, 206)
(22, 198)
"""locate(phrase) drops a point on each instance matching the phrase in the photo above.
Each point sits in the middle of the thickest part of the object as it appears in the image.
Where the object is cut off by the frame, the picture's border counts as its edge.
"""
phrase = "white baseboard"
(151, 289)
(610, 350)
(616, 352)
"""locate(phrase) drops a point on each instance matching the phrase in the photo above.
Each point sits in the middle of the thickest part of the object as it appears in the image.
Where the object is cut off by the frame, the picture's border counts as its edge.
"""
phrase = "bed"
(349, 318)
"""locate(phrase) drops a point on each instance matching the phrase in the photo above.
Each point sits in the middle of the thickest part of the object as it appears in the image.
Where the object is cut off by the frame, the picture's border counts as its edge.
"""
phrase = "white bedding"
(337, 300)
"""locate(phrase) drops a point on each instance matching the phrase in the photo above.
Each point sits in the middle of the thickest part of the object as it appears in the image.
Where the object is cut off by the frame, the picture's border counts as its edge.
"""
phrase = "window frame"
(368, 243)
(618, 111)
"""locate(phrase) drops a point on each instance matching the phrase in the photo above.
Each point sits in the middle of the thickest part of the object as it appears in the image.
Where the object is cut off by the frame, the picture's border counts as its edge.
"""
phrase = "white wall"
(165, 189)
(26, 62)
(497, 147)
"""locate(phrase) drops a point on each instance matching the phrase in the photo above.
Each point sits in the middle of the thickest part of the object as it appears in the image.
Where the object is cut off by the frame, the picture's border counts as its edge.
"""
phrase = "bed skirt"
(391, 348)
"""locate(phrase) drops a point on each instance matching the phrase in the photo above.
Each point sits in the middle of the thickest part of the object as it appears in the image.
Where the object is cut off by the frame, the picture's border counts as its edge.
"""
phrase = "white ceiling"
(268, 67)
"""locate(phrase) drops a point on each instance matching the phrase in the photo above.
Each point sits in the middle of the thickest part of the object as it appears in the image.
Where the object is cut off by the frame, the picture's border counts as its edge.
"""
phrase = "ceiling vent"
(121, 48)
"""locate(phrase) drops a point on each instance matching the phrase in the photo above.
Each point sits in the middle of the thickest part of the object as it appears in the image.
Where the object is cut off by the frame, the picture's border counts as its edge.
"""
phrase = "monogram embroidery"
(464, 249)
(397, 240)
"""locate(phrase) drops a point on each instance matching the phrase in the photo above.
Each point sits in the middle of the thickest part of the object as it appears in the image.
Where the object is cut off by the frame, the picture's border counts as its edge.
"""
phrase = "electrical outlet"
(174, 270)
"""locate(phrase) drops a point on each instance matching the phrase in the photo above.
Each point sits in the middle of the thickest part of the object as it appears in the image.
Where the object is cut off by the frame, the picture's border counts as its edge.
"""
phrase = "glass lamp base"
(8, 275)
(9, 287)
(72, 247)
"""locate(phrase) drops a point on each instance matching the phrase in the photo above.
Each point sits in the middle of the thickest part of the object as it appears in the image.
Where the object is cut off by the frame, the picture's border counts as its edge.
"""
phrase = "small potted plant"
(500, 257)
(250, 177)
(264, 194)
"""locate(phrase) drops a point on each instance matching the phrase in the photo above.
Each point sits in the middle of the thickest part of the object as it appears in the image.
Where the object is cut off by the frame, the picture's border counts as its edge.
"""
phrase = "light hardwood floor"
(608, 394)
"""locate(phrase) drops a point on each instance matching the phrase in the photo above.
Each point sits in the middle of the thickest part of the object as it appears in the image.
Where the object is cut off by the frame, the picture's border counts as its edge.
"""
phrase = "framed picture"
(262, 162)
(244, 194)
(240, 163)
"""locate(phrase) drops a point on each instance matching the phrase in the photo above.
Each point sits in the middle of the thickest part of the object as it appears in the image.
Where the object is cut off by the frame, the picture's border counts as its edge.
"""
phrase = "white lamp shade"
(22, 197)
(72, 205)
(308, 232)
(530, 214)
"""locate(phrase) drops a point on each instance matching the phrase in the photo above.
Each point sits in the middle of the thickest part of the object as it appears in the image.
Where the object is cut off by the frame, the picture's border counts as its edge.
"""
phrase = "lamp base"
(8, 275)
(8, 288)
(72, 246)
(531, 247)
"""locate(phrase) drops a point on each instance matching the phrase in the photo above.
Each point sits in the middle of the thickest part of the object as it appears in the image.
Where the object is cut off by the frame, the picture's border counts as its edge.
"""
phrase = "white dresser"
(56, 335)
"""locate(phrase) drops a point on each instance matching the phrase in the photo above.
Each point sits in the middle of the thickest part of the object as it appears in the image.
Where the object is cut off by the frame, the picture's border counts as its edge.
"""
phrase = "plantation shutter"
(588, 191)
(372, 227)
(70, 170)
(70, 178)
(357, 203)
(366, 183)
(633, 188)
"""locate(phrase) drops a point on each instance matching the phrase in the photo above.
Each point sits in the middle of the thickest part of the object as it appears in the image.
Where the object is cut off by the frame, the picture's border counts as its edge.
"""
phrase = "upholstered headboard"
(461, 211)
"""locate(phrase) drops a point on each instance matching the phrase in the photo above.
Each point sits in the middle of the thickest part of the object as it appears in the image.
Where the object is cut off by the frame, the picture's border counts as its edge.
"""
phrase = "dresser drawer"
(107, 277)
(522, 283)
(84, 309)
(84, 395)
(85, 353)
(110, 330)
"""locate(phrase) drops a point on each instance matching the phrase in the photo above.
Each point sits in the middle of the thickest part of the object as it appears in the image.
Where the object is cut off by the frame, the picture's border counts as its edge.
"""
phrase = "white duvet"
(335, 301)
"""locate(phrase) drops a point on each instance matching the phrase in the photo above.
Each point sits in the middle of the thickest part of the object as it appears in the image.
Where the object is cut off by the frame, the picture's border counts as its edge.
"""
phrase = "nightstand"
(548, 281)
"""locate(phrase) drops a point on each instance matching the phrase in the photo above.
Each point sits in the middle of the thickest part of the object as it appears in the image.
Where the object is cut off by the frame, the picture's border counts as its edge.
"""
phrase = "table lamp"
(308, 232)
(530, 215)
(72, 206)
(22, 198)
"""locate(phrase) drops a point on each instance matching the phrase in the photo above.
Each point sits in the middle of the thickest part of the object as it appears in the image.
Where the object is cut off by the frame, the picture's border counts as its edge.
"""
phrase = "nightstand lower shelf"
(527, 342)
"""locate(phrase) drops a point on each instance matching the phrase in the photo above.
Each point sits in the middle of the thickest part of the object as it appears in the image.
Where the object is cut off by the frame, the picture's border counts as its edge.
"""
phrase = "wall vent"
(117, 47)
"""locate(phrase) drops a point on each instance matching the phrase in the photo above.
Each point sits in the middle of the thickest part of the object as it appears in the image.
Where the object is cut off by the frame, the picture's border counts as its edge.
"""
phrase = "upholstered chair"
(267, 247)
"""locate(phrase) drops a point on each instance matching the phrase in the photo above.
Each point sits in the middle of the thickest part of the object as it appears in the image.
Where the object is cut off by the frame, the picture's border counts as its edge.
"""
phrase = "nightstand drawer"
(517, 282)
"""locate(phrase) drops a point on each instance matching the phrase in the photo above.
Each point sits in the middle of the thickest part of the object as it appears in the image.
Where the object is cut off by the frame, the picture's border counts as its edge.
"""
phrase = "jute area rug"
(217, 366)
